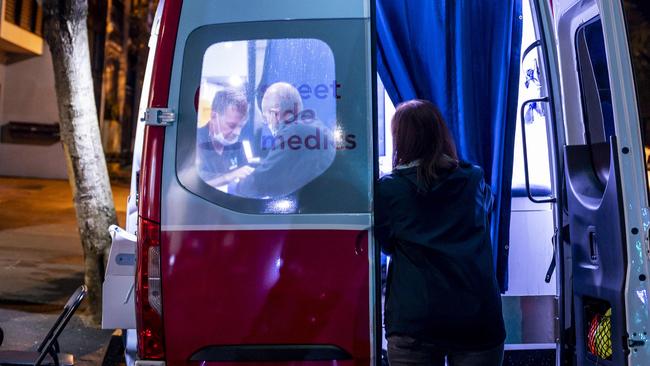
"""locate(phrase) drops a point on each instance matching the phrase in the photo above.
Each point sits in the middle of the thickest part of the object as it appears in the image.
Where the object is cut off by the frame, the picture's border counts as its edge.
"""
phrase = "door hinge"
(634, 343)
(159, 117)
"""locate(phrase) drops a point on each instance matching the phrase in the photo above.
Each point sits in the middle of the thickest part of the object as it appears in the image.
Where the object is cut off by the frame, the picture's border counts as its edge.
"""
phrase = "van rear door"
(279, 268)
(606, 188)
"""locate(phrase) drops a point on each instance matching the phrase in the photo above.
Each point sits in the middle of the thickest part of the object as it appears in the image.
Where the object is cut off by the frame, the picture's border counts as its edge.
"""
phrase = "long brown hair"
(420, 133)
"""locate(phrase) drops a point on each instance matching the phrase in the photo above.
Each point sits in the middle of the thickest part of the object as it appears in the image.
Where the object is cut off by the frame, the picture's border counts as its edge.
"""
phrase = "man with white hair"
(281, 104)
(300, 149)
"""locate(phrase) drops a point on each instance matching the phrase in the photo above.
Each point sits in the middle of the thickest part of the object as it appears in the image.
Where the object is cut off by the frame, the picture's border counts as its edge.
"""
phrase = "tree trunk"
(67, 37)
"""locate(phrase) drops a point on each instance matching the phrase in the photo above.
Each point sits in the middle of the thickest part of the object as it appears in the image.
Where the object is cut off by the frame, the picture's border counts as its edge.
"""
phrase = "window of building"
(26, 14)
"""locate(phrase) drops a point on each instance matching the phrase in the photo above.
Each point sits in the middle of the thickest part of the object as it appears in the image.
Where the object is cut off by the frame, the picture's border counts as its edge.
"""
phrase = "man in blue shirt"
(219, 154)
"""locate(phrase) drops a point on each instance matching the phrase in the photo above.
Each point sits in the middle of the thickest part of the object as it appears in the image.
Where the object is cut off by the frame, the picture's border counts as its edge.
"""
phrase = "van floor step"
(529, 357)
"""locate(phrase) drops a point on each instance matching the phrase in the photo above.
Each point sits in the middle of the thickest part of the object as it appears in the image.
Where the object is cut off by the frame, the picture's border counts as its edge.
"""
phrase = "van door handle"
(593, 244)
(551, 267)
(525, 148)
(529, 49)
(537, 43)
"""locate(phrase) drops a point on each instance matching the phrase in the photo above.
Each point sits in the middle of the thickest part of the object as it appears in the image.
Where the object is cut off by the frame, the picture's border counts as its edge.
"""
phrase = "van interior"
(530, 304)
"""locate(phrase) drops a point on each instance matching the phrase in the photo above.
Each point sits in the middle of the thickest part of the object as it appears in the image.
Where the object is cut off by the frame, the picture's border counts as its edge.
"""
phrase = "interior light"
(248, 151)
(338, 134)
(235, 80)
(282, 206)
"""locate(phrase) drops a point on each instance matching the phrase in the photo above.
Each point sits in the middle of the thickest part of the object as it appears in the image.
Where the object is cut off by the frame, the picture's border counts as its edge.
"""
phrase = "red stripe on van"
(149, 323)
(267, 287)
(154, 136)
(162, 67)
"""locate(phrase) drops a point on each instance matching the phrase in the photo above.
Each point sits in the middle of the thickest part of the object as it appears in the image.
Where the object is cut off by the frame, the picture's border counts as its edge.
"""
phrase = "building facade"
(118, 32)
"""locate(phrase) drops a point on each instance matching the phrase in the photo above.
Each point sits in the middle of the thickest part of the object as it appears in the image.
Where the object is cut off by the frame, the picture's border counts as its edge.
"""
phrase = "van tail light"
(148, 299)
(148, 292)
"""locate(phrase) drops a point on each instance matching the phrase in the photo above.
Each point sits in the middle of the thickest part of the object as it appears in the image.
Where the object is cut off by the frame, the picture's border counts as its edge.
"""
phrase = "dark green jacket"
(441, 283)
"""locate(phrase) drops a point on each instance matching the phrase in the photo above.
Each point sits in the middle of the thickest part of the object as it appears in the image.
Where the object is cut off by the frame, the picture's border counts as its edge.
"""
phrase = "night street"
(41, 266)
(326, 182)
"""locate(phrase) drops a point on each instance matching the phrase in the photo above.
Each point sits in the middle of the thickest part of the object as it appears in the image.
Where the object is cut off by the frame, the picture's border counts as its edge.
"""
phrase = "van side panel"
(283, 287)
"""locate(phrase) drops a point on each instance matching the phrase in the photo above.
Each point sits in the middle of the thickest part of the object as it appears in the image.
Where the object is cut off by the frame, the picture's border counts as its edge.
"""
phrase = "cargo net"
(599, 335)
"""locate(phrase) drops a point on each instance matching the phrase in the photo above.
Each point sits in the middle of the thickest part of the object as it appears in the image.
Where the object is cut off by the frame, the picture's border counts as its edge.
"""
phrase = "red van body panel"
(282, 287)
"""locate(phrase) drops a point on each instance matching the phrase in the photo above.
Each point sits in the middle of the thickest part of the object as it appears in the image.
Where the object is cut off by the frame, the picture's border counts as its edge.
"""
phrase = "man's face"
(230, 123)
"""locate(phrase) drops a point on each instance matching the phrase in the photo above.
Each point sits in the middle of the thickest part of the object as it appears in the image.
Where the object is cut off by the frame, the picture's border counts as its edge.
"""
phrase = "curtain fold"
(464, 56)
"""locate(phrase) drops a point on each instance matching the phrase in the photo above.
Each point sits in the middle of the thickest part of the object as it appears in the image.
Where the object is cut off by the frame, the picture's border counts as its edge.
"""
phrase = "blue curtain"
(463, 55)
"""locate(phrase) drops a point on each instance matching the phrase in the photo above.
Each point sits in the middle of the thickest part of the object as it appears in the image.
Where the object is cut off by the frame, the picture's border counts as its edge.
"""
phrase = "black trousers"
(407, 351)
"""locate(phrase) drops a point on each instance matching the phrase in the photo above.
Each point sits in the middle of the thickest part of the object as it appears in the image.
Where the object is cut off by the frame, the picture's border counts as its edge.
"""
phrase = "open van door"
(604, 261)
(274, 262)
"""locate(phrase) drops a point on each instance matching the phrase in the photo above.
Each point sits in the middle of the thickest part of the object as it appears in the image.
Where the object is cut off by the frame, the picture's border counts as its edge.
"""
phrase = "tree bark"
(67, 37)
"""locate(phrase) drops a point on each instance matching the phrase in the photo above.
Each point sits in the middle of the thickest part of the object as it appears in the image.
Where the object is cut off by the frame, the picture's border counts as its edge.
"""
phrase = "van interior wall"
(27, 94)
(529, 307)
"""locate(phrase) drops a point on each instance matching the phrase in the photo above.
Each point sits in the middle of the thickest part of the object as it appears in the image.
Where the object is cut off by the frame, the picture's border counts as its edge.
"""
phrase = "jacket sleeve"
(488, 196)
(268, 178)
(488, 200)
(382, 232)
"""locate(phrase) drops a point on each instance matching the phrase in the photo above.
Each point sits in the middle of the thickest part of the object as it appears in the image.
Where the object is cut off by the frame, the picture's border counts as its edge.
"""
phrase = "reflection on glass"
(267, 117)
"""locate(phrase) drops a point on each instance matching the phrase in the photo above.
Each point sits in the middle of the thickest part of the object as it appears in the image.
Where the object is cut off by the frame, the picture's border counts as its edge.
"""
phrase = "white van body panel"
(118, 305)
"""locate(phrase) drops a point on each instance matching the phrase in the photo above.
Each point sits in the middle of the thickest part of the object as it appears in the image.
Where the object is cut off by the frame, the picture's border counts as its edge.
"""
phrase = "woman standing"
(432, 217)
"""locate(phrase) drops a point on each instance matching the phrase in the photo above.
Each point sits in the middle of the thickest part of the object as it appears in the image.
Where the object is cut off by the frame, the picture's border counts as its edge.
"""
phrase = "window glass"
(269, 125)
(530, 87)
(598, 116)
(385, 112)
(266, 124)
(594, 79)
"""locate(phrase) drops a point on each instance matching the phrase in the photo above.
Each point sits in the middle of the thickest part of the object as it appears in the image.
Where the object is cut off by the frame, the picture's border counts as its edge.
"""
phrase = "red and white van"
(222, 277)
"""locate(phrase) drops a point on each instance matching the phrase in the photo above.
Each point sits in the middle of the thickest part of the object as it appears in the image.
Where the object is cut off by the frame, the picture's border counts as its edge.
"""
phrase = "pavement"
(41, 265)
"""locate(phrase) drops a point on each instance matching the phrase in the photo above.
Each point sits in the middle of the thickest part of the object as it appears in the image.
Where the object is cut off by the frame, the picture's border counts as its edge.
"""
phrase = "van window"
(267, 132)
(598, 115)
(594, 79)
